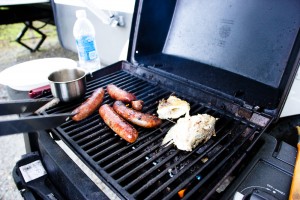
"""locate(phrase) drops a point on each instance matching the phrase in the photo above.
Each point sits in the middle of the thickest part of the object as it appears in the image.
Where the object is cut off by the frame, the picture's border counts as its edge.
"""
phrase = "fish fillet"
(172, 108)
(189, 131)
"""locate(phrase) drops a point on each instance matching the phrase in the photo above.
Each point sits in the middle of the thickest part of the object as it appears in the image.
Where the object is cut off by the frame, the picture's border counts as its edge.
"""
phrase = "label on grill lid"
(32, 171)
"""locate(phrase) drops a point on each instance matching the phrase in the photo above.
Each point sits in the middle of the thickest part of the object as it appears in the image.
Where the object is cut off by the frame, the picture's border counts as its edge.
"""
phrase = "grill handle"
(40, 91)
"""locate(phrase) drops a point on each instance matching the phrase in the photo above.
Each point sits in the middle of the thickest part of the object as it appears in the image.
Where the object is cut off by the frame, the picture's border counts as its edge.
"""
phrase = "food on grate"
(118, 124)
(189, 131)
(172, 108)
(137, 105)
(89, 106)
(181, 193)
(119, 94)
(136, 117)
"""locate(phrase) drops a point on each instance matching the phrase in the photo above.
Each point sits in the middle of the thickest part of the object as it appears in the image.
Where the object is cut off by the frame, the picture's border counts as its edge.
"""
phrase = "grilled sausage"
(89, 106)
(136, 117)
(118, 124)
(137, 105)
(119, 94)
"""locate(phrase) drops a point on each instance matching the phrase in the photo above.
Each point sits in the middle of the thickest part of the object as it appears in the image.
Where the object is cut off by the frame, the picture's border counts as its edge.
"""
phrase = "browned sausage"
(136, 117)
(137, 105)
(119, 94)
(118, 124)
(89, 106)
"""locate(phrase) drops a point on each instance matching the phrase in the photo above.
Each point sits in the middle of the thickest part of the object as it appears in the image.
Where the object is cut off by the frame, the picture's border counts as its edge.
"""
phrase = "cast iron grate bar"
(115, 155)
(153, 140)
(130, 150)
(222, 162)
(146, 169)
(195, 174)
(143, 154)
(166, 172)
(152, 161)
(136, 151)
(148, 172)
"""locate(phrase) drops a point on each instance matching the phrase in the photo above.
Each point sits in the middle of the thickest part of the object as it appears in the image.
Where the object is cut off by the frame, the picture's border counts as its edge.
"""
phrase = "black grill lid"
(246, 50)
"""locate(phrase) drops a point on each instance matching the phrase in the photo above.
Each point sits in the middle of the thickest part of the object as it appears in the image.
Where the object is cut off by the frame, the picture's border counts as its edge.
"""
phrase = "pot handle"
(37, 92)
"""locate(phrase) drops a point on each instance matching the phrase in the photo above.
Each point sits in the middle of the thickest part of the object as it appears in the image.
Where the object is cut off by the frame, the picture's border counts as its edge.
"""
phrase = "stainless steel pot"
(68, 84)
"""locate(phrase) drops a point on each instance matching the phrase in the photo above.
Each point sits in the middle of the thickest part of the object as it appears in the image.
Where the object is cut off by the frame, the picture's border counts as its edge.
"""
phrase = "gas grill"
(168, 56)
(146, 169)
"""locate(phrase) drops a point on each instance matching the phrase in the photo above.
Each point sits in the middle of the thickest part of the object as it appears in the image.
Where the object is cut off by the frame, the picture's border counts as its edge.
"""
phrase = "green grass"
(9, 33)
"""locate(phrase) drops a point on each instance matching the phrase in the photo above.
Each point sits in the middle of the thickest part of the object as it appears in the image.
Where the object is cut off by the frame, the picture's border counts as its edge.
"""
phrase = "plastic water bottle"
(84, 34)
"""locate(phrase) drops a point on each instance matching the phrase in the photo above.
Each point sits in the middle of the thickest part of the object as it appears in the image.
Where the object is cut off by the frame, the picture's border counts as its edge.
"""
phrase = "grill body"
(146, 169)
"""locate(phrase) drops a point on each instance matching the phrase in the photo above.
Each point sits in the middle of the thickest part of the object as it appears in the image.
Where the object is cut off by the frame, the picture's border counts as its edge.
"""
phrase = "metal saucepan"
(66, 85)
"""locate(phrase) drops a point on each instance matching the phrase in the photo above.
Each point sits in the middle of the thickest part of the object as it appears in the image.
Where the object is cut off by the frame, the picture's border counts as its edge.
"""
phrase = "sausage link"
(118, 124)
(137, 105)
(119, 94)
(136, 117)
(89, 106)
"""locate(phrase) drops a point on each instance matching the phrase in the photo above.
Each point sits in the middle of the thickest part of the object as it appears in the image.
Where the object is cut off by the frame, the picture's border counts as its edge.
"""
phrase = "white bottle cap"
(80, 13)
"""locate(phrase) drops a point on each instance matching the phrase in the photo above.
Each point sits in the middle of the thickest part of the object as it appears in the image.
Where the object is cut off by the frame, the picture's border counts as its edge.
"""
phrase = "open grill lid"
(242, 50)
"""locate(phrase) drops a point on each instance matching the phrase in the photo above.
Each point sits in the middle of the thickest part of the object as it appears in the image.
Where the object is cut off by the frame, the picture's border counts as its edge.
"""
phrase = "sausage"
(119, 94)
(136, 117)
(118, 124)
(89, 106)
(137, 105)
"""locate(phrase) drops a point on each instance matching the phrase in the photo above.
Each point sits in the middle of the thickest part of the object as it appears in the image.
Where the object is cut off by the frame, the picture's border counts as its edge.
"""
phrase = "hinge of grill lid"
(245, 111)
(250, 113)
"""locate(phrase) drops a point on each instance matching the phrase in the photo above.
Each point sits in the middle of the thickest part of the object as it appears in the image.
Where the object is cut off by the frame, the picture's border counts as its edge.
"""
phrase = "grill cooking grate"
(145, 169)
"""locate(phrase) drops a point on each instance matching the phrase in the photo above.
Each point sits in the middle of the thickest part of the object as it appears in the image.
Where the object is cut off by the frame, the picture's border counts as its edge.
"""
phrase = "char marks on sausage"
(118, 124)
(136, 117)
(119, 94)
(137, 105)
(89, 106)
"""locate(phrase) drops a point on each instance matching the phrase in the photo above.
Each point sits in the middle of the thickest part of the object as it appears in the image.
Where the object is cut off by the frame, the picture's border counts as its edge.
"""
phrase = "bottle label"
(86, 48)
